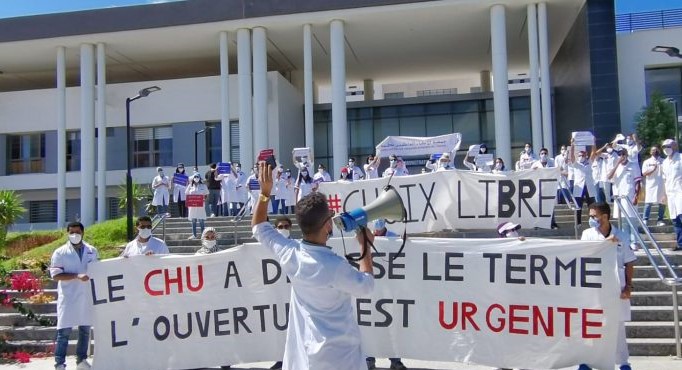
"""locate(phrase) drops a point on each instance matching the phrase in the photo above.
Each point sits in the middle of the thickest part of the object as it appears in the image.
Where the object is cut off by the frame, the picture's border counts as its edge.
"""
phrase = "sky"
(16, 8)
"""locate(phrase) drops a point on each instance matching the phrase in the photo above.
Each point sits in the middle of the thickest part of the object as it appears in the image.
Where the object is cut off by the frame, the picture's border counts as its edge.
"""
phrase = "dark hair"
(213, 165)
(307, 179)
(142, 218)
(75, 224)
(283, 219)
(370, 157)
(602, 208)
(544, 149)
(177, 168)
(501, 160)
(311, 211)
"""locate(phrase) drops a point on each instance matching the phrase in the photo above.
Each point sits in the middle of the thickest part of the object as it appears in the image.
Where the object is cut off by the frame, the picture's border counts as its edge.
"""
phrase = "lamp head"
(148, 90)
(671, 51)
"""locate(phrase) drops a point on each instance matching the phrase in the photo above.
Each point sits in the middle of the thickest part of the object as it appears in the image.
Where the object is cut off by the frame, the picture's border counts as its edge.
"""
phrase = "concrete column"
(533, 67)
(102, 134)
(225, 143)
(308, 87)
(338, 69)
(545, 92)
(368, 89)
(498, 32)
(244, 73)
(61, 136)
(87, 89)
(486, 81)
(260, 90)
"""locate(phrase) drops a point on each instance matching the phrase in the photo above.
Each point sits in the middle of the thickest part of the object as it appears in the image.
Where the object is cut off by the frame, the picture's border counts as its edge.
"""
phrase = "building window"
(153, 147)
(213, 143)
(73, 151)
(665, 81)
(234, 142)
(42, 211)
(25, 153)
(114, 211)
(394, 95)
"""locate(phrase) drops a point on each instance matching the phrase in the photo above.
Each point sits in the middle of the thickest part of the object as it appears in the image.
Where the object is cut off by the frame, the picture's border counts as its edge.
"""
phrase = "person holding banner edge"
(322, 285)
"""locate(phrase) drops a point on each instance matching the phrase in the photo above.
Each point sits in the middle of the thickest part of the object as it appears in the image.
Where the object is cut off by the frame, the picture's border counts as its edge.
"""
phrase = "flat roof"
(386, 40)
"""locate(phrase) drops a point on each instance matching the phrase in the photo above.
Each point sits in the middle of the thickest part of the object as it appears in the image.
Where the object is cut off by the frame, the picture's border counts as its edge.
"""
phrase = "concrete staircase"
(651, 333)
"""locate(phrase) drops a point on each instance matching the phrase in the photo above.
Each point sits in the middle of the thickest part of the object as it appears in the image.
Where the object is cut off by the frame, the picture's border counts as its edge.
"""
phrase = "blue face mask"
(594, 222)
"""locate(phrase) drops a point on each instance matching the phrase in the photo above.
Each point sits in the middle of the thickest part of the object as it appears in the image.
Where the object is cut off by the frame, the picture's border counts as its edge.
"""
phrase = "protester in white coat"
(624, 176)
(601, 229)
(654, 191)
(228, 191)
(145, 243)
(179, 191)
(241, 188)
(371, 167)
(583, 183)
(289, 192)
(304, 185)
(672, 174)
(161, 186)
(197, 187)
(69, 267)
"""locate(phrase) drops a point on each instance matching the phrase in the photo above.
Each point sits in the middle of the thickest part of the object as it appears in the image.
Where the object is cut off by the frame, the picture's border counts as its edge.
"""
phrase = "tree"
(656, 122)
(11, 210)
(140, 194)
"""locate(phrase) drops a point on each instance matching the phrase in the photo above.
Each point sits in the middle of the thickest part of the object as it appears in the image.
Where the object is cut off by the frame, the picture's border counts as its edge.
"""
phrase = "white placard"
(406, 146)
(585, 138)
(473, 150)
(301, 152)
(484, 160)
(493, 302)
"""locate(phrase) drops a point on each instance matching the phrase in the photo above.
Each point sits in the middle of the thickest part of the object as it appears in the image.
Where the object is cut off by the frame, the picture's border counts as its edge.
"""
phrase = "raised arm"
(260, 214)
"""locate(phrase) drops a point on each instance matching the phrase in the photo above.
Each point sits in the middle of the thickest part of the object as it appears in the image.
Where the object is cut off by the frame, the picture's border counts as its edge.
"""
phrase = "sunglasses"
(287, 227)
(144, 227)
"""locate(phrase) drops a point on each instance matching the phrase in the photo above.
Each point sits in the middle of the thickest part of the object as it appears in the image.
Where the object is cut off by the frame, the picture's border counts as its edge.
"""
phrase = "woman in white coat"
(161, 186)
(289, 192)
(654, 190)
(197, 187)
(228, 192)
(179, 191)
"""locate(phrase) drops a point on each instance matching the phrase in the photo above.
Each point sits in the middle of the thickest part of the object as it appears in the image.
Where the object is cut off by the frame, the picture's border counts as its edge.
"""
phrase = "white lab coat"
(371, 172)
(161, 194)
(538, 164)
(228, 188)
(582, 178)
(178, 192)
(624, 185)
(304, 188)
(323, 333)
(253, 194)
(196, 212)
(672, 174)
(242, 189)
(654, 191)
(287, 192)
(398, 172)
(74, 301)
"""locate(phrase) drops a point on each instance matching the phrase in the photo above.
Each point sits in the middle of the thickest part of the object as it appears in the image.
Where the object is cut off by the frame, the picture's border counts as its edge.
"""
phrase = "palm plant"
(11, 210)
(141, 193)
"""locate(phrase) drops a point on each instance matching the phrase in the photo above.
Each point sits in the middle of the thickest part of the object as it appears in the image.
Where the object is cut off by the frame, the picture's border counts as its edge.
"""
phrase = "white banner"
(459, 199)
(406, 146)
(500, 302)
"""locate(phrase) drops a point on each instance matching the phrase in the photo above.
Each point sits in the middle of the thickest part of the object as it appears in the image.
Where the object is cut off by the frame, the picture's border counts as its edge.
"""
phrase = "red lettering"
(146, 283)
(547, 326)
(499, 320)
(176, 280)
(513, 319)
(591, 324)
(441, 314)
(567, 311)
(200, 271)
(468, 310)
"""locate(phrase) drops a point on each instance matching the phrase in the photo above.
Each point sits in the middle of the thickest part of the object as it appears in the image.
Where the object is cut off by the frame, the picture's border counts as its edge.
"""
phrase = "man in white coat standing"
(653, 185)
(672, 174)
(69, 267)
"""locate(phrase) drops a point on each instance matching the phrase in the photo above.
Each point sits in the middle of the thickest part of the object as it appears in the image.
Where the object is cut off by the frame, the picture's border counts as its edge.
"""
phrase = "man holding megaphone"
(323, 333)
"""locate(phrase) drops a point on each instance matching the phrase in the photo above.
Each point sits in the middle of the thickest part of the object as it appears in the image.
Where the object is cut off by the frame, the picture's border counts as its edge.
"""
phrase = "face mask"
(563, 152)
(75, 238)
(181, 169)
(512, 234)
(543, 157)
(195, 180)
(609, 150)
(351, 163)
(144, 233)
(304, 173)
(580, 158)
(160, 173)
(209, 243)
(498, 166)
(484, 149)
(343, 175)
(284, 232)
(393, 163)
(628, 141)
(593, 222)
(527, 149)
(238, 168)
(668, 151)
(320, 170)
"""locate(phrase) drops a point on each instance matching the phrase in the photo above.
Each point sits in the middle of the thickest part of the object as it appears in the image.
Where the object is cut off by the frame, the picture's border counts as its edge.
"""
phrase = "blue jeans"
(62, 343)
(161, 209)
(235, 207)
(647, 211)
(677, 223)
(213, 201)
(275, 204)
(194, 226)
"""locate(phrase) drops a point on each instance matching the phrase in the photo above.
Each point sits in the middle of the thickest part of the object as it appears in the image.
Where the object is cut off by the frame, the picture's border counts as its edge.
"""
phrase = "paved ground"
(638, 363)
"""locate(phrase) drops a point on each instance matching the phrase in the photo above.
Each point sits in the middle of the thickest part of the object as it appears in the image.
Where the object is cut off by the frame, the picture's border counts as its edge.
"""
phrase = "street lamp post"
(129, 179)
(196, 134)
(676, 122)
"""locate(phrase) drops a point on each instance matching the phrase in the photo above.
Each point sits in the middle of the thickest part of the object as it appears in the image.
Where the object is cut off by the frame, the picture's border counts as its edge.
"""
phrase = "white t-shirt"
(136, 248)
(323, 333)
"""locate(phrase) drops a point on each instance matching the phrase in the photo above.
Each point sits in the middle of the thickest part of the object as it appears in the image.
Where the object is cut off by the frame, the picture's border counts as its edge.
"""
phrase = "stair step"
(651, 313)
(18, 319)
(650, 330)
(43, 346)
(663, 298)
(651, 346)
(33, 333)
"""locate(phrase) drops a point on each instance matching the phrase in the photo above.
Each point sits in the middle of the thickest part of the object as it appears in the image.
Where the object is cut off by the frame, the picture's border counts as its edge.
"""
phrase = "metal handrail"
(573, 205)
(624, 205)
(240, 216)
(160, 219)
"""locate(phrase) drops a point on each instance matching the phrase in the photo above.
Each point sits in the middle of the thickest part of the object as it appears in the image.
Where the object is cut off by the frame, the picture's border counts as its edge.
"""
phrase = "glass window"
(520, 128)
(153, 147)
(361, 136)
(234, 141)
(42, 211)
(667, 81)
(440, 124)
(468, 125)
(26, 153)
(73, 151)
(385, 127)
(413, 126)
(213, 143)
(321, 140)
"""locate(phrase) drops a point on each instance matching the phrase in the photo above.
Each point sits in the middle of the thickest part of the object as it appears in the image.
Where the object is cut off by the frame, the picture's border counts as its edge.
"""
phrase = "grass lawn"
(107, 237)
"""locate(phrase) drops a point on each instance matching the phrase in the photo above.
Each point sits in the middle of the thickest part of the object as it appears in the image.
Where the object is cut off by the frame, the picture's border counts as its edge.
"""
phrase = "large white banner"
(407, 146)
(497, 302)
(459, 199)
